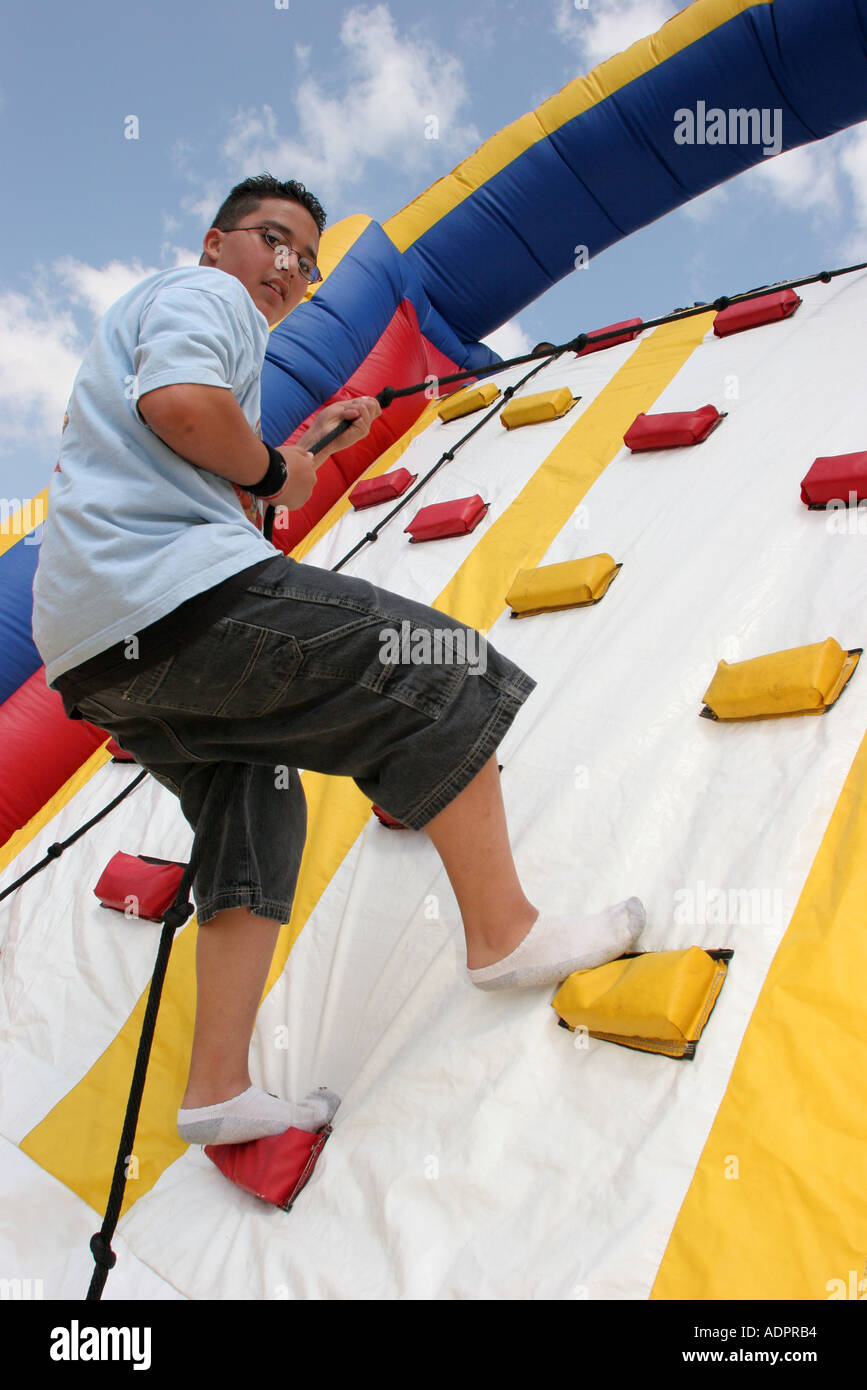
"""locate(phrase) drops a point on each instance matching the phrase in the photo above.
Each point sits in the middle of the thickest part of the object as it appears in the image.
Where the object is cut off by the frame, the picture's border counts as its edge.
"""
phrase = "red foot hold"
(275, 1168)
(750, 313)
(671, 430)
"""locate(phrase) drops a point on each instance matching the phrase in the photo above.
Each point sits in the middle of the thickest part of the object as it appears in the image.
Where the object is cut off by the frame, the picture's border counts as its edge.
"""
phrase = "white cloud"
(179, 255)
(598, 33)
(40, 351)
(392, 87)
(182, 153)
(204, 206)
(509, 340)
(853, 167)
(706, 205)
(828, 181)
(803, 179)
(96, 289)
(41, 344)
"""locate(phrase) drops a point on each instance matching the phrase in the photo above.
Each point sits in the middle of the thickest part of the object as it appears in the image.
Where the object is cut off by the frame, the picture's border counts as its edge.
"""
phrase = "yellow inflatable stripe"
(337, 813)
(580, 95)
(520, 537)
(77, 1140)
(24, 520)
(784, 1160)
(382, 465)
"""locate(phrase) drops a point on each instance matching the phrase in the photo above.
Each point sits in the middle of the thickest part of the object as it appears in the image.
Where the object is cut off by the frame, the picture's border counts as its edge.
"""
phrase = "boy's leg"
(233, 954)
(234, 950)
(510, 943)
(252, 837)
(472, 839)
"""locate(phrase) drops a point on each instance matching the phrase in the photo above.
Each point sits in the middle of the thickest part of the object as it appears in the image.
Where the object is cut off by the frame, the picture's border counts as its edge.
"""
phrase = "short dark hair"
(245, 198)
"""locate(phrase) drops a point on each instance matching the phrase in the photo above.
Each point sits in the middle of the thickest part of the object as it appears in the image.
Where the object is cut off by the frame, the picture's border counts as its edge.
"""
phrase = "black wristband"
(274, 480)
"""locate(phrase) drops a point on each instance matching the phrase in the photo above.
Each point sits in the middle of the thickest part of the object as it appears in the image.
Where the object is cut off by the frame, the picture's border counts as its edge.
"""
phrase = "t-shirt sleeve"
(187, 335)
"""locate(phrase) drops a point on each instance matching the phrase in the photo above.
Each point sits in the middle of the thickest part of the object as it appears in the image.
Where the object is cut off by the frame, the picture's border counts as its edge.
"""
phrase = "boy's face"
(247, 255)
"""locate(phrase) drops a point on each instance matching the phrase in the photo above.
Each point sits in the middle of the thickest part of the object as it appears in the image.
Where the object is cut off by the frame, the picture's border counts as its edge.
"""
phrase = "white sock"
(253, 1115)
(555, 946)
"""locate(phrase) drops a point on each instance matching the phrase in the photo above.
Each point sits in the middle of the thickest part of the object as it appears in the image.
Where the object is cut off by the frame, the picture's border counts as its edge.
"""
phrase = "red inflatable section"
(401, 357)
(35, 766)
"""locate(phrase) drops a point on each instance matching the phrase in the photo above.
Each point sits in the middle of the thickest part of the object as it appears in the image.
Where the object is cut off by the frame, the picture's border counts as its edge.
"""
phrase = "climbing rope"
(176, 916)
(577, 345)
(446, 457)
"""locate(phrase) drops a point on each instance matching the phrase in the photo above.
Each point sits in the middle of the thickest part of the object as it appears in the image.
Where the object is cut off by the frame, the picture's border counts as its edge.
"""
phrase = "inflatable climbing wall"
(482, 1150)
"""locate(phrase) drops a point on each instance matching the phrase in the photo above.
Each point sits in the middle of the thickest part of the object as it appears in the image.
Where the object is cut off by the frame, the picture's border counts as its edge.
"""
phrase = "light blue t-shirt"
(133, 530)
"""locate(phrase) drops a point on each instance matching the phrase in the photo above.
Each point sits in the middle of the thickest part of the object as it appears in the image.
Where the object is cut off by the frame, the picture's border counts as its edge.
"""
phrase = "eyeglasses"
(278, 243)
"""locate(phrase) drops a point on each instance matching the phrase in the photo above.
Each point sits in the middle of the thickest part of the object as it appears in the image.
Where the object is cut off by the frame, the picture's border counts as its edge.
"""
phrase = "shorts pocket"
(233, 669)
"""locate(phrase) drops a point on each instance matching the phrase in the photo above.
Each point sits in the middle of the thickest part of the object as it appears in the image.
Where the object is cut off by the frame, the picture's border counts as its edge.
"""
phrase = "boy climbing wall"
(164, 616)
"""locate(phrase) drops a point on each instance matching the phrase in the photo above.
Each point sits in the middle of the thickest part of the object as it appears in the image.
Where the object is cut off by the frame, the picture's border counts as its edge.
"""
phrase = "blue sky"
(337, 95)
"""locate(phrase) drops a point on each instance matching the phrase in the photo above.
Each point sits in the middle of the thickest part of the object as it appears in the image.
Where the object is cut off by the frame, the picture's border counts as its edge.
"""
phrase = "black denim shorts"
(313, 670)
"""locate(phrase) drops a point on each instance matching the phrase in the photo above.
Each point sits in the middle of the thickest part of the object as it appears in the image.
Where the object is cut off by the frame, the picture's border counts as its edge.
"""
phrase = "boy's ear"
(207, 257)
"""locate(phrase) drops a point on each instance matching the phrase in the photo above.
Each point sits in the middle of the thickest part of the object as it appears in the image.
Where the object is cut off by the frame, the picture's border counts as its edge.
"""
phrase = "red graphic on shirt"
(251, 507)
(57, 467)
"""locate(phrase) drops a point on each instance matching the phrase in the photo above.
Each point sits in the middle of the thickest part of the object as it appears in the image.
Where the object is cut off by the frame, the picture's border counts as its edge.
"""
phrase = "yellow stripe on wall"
(77, 1141)
(691, 24)
(520, 538)
(776, 1208)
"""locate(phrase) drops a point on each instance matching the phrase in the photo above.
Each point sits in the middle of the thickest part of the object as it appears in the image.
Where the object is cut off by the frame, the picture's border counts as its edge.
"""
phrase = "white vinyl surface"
(478, 1153)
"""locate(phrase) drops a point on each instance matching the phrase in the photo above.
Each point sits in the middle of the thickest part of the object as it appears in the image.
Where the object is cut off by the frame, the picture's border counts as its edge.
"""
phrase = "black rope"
(447, 457)
(577, 344)
(100, 1243)
(177, 914)
(174, 917)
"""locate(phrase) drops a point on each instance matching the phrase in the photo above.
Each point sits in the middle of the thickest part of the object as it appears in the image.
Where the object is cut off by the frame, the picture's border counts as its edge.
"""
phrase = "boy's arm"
(206, 426)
